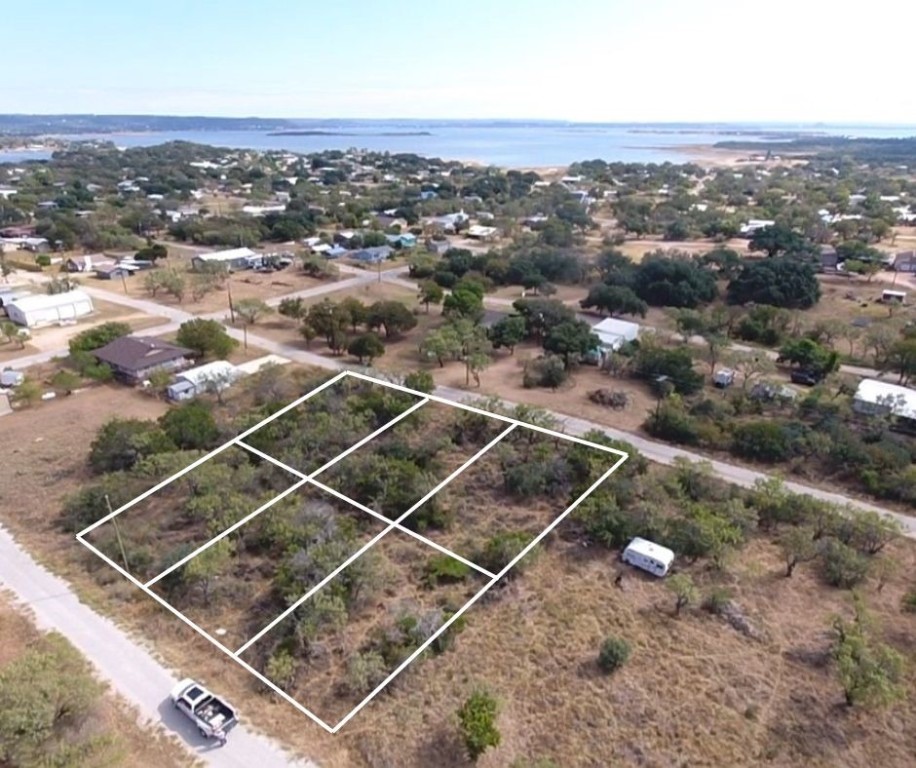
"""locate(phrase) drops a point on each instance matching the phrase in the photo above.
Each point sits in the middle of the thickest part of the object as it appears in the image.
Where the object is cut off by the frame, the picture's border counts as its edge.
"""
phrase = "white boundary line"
(294, 487)
(356, 554)
(492, 415)
(531, 545)
(207, 636)
(158, 487)
(296, 402)
(235, 526)
(395, 525)
(402, 529)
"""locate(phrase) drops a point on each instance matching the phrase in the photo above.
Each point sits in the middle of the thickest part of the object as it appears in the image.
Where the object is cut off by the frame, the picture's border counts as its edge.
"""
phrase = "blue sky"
(592, 60)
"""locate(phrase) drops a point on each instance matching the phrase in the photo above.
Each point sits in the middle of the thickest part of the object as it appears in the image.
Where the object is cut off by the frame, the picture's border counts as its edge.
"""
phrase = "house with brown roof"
(134, 358)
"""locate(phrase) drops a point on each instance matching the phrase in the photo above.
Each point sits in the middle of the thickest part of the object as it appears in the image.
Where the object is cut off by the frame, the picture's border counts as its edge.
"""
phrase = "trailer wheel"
(204, 733)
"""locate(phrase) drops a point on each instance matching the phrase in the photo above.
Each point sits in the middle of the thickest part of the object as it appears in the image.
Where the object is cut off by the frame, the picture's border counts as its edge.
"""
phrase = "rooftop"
(136, 353)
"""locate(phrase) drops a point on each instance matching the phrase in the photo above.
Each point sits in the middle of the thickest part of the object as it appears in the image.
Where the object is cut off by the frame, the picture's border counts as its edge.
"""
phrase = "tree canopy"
(778, 282)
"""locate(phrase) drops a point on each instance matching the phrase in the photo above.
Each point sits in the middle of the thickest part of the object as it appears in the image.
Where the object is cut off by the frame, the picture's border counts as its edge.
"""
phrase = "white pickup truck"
(212, 716)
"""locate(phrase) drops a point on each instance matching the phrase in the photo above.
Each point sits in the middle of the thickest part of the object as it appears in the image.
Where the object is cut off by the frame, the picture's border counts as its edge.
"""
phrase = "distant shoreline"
(319, 132)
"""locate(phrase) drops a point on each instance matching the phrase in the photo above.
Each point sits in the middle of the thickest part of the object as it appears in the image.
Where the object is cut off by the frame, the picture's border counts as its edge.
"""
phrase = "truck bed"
(214, 713)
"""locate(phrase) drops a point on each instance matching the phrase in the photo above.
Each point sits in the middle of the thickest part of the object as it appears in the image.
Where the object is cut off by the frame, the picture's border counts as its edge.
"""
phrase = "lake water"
(512, 144)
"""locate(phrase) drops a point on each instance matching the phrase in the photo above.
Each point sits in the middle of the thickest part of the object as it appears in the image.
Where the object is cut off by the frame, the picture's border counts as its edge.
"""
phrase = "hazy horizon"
(471, 119)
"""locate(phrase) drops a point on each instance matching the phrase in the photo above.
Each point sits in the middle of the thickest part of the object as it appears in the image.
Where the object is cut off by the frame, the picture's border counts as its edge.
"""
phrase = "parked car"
(212, 716)
(805, 376)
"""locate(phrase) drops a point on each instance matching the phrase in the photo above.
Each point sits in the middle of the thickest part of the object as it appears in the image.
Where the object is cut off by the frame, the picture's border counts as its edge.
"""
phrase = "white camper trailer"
(650, 557)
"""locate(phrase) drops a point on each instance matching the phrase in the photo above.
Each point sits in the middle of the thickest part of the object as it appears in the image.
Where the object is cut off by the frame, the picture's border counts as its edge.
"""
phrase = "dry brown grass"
(694, 692)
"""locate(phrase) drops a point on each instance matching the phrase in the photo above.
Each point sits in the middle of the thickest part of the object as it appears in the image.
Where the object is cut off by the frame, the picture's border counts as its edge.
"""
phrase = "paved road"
(125, 663)
(662, 453)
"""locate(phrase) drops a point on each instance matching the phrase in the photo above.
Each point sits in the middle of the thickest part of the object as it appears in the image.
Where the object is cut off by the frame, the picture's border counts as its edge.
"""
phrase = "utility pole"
(229, 291)
(114, 522)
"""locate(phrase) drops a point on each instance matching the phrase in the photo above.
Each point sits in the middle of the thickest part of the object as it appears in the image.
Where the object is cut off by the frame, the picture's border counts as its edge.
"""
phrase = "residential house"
(438, 247)
(479, 232)
(235, 259)
(331, 251)
(406, 240)
(373, 255)
(532, 222)
(905, 262)
(345, 237)
(753, 225)
(613, 333)
(135, 358)
(114, 271)
(19, 231)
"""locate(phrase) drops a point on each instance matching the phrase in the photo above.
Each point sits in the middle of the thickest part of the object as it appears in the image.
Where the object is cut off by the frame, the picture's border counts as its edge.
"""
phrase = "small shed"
(723, 378)
(888, 296)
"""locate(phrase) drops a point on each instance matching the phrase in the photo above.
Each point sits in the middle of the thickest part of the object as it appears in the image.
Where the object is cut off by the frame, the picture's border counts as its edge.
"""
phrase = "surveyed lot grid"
(351, 530)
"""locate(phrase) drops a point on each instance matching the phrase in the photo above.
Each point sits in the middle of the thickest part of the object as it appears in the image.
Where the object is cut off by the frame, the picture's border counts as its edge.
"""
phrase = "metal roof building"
(880, 397)
(33, 311)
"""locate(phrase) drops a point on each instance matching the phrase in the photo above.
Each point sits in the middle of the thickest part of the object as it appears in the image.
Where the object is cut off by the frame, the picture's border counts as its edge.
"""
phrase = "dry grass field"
(695, 691)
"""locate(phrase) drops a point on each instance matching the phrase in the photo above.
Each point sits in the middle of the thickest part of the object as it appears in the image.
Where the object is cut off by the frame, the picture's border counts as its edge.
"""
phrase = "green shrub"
(842, 566)
(43, 260)
(94, 338)
(762, 441)
(421, 381)
(500, 550)
(442, 569)
(613, 654)
(548, 371)
(477, 719)
(717, 600)
(364, 672)
(908, 604)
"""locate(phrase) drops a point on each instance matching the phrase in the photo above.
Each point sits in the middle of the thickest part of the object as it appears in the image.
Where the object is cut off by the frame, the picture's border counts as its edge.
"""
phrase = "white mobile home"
(34, 311)
(653, 558)
(217, 375)
(234, 259)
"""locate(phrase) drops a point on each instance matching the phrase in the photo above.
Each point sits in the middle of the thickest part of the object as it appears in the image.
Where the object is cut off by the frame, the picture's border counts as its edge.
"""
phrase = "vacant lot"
(190, 510)
(393, 472)
(696, 691)
(240, 285)
(349, 636)
(240, 584)
(332, 420)
(492, 510)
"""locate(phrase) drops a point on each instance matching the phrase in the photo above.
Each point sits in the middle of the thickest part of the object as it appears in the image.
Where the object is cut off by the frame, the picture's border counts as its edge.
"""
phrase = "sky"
(577, 60)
